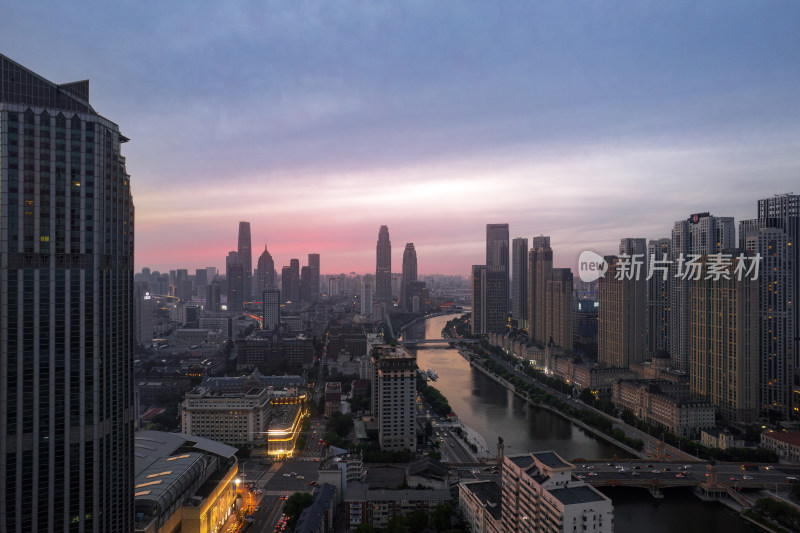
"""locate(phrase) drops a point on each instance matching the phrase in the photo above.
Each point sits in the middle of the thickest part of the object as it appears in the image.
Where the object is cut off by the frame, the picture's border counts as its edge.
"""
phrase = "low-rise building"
(718, 438)
(283, 428)
(333, 397)
(182, 483)
(540, 495)
(235, 418)
(318, 517)
(377, 506)
(664, 403)
(785, 443)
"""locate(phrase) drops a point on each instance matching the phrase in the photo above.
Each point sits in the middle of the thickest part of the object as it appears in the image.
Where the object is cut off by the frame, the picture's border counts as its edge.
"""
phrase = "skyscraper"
(271, 299)
(540, 268)
(558, 313)
(409, 275)
(266, 272)
(497, 252)
(66, 311)
(245, 250)
(658, 298)
(294, 282)
(286, 283)
(489, 300)
(313, 278)
(367, 294)
(700, 234)
(235, 275)
(519, 281)
(621, 318)
(383, 269)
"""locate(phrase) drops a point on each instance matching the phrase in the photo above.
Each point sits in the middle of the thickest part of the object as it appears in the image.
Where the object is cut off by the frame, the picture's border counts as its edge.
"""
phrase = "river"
(493, 411)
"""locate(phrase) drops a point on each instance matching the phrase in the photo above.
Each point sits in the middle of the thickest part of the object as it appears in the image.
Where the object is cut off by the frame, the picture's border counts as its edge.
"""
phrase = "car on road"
(592, 473)
(747, 477)
(300, 477)
(656, 471)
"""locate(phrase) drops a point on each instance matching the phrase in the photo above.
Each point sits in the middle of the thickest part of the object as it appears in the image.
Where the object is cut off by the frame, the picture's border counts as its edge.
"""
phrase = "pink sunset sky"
(320, 121)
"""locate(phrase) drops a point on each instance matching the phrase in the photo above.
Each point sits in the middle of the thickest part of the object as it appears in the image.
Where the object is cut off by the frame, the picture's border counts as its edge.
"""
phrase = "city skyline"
(321, 122)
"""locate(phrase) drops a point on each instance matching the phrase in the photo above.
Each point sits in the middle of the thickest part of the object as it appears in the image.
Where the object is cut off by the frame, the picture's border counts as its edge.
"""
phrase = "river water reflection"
(493, 411)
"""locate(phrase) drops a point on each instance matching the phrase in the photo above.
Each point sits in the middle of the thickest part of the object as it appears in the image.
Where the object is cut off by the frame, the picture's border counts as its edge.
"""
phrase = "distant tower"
(246, 259)
(266, 271)
(383, 269)
(540, 268)
(235, 276)
(519, 281)
(367, 294)
(312, 289)
(286, 282)
(409, 275)
(294, 281)
(272, 309)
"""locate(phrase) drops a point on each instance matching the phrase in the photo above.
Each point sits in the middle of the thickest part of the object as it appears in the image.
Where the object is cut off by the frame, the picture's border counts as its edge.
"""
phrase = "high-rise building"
(658, 297)
(313, 278)
(558, 314)
(621, 318)
(394, 383)
(66, 311)
(183, 285)
(144, 305)
(286, 282)
(235, 276)
(409, 275)
(265, 278)
(200, 282)
(294, 281)
(540, 267)
(539, 494)
(519, 281)
(271, 299)
(213, 297)
(367, 294)
(245, 250)
(723, 346)
(383, 269)
(497, 252)
(489, 299)
(698, 235)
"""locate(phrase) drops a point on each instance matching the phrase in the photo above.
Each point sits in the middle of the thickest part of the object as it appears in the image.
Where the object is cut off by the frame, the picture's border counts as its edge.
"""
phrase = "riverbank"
(586, 427)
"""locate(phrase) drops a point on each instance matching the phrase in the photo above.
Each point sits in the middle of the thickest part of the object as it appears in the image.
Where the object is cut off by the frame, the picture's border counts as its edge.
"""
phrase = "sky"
(320, 121)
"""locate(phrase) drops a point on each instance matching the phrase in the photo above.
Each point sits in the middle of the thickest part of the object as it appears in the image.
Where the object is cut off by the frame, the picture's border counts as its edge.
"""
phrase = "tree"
(295, 505)
(396, 524)
(363, 527)
(417, 520)
(441, 517)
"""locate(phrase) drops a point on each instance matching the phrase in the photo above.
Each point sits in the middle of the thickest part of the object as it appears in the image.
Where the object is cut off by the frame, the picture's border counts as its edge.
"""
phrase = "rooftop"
(490, 494)
(362, 492)
(790, 437)
(552, 460)
(573, 495)
(149, 446)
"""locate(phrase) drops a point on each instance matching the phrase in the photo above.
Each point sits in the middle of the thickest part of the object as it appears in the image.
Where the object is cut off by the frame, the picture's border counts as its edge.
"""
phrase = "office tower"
(313, 278)
(383, 269)
(213, 297)
(286, 282)
(540, 267)
(497, 251)
(621, 318)
(146, 275)
(305, 280)
(699, 234)
(183, 285)
(200, 282)
(539, 494)
(211, 274)
(143, 308)
(367, 294)
(265, 273)
(394, 383)
(409, 275)
(294, 281)
(519, 281)
(781, 212)
(634, 246)
(723, 346)
(489, 299)
(272, 309)
(235, 277)
(246, 259)
(66, 311)
(658, 298)
(558, 315)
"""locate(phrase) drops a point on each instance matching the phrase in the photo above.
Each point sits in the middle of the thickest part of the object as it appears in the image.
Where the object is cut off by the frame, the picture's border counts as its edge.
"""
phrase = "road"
(451, 446)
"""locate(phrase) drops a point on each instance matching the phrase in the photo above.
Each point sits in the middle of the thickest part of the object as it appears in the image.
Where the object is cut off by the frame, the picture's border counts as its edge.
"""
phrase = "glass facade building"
(66, 311)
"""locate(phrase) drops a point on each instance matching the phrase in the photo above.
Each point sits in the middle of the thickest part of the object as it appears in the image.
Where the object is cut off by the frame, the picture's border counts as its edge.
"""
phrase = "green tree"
(441, 518)
(363, 527)
(396, 524)
(295, 505)
(417, 520)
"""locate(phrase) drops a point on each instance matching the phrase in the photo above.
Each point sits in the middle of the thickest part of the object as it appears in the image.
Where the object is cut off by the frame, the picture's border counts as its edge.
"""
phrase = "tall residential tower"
(383, 269)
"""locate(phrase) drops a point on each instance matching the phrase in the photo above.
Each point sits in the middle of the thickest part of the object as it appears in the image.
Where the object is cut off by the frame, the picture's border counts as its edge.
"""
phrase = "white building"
(540, 495)
(230, 417)
(480, 503)
(367, 294)
(394, 386)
